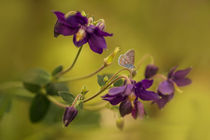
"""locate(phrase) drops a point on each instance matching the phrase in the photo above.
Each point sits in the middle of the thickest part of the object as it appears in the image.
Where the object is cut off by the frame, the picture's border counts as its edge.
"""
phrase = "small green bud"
(109, 59)
(106, 78)
(83, 13)
(120, 123)
(84, 90)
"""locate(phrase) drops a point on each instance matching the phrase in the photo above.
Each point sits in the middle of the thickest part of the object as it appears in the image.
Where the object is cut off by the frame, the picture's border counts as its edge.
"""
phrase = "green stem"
(86, 76)
(75, 100)
(118, 73)
(104, 88)
(72, 65)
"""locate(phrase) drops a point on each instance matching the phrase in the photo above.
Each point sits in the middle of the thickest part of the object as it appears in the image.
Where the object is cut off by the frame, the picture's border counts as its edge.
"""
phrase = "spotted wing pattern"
(127, 60)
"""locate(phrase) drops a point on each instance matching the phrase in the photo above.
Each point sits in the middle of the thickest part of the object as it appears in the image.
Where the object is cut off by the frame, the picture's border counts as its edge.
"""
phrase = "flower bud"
(106, 78)
(151, 70)
(84, 90)
(109, 59)
(69, 115)
(83, 13)
(101, 24)
(90, 20)
(120, 123)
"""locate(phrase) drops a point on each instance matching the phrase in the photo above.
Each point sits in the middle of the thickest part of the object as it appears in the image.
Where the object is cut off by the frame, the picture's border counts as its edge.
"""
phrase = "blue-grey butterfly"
(127, 60)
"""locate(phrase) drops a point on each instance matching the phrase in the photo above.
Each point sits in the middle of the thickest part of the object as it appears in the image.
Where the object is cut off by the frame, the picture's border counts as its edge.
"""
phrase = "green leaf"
(32, 87)
(67, 97)
(5, 104)
(119, 83)
(57, 70)
(55, 88)
(102, 82)
(39, 108)
(37, 77)
(100, 79)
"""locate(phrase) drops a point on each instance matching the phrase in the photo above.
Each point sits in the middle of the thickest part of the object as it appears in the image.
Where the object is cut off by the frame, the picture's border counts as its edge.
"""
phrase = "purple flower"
(142, 92)
(69, 24)
(69, 115)
(128, 95)
(166, 88)
(150, 71)
(83, 32)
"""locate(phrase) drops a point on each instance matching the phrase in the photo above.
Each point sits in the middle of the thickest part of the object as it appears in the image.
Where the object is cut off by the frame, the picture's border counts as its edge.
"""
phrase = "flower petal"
(138, 109)
(81, 42)
(60, 15)
(128, 90)
(114, 100)
(182, 73)
(97, 43)
(76, 20)
(101, 33)
(182, 82)
(148, 95)
(171, 72)
(166, 87)
(125, 108)
(150, 71)
(164, 100)
(63, 29)
(117, 90)
(144, 84)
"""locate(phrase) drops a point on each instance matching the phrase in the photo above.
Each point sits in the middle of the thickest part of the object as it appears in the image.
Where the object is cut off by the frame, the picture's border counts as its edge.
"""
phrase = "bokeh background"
(174, 32)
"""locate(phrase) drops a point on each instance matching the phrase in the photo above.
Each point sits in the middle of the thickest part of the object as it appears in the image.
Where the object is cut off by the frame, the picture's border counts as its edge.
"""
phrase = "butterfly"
(127, 60)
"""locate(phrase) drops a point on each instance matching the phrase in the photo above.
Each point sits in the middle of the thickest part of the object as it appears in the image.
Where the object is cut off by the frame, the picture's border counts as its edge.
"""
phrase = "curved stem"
(56, 102)
(163, 77)
(104, 88)
(86, 76)
(75, 100)
(143, 59)
(118, 73)
(72, 65)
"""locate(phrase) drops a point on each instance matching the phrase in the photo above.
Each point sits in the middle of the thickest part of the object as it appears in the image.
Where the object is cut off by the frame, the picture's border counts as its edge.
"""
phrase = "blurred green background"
(174, 32)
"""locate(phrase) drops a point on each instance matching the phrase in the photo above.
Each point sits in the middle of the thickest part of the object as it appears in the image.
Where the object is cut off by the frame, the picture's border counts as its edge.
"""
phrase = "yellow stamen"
(80, 35)
(131, 98)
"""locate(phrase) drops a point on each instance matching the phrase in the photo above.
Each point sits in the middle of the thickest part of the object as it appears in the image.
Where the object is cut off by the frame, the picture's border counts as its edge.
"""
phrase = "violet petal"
(97, 43)
(138, 109)
(182, 73)
(125, 108)
(150, 71)
(148, 95)
(164, 100)
(182, 82)
(166, 87)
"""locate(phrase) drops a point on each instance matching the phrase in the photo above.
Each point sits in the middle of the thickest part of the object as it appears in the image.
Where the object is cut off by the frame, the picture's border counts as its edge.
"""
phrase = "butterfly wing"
(127, 60)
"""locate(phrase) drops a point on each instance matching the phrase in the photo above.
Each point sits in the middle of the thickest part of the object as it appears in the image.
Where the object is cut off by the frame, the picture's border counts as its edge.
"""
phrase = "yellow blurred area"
(173, 32)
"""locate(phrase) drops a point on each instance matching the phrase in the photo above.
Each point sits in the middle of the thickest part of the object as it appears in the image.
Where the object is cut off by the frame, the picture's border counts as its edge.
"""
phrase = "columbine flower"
(69, 24)
(69, 115)
(83, 30)
(128, 95)
(150, 71)
(166, 88)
